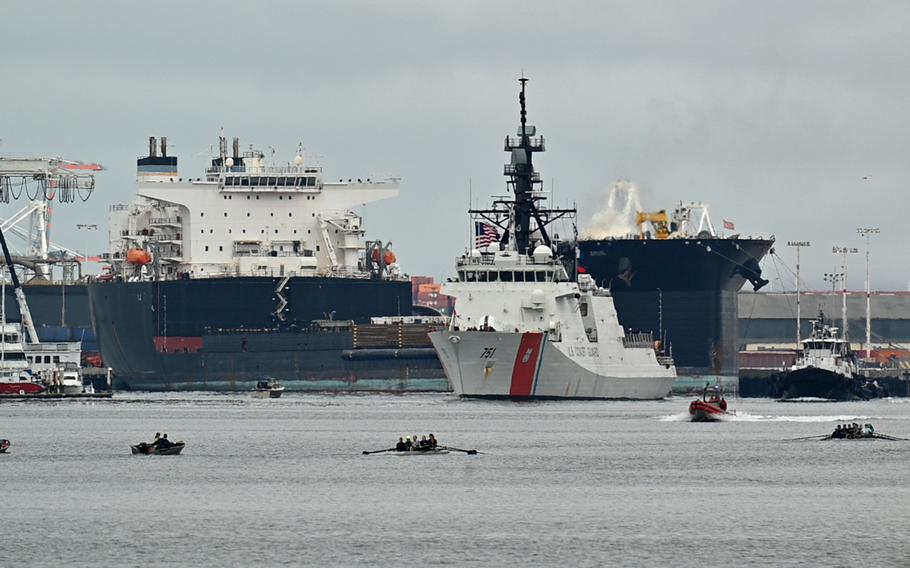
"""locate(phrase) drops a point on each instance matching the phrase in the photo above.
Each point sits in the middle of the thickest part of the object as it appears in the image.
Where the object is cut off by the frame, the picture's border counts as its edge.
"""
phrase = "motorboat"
(4, 445)
(268, 388)
(150, 450)
(711, 407)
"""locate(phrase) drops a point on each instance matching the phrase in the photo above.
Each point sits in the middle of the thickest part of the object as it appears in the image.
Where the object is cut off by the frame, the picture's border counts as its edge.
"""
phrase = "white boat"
(268, 389)
(522, 328)
(15, 376)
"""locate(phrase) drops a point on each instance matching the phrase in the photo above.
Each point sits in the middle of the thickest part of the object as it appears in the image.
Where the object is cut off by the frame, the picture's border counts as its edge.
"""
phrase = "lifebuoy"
(21, 391)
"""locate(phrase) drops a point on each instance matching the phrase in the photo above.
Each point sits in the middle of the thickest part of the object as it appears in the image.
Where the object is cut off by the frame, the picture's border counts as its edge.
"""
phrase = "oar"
(819, 437)
(366, 453)
(469, 452)
(887, 437)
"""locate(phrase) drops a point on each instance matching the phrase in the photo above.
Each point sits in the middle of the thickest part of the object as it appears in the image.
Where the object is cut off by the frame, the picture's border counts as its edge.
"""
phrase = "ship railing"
(638, 339)
(274, 254)
(217, 170)
(489, 259)
(535, 143)
(665, 360)
(511, 170)
(165, 221)
(119, 207)
(54, 347)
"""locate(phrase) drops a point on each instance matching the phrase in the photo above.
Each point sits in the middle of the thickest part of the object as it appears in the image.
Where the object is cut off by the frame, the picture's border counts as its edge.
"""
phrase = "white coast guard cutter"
(522, 328)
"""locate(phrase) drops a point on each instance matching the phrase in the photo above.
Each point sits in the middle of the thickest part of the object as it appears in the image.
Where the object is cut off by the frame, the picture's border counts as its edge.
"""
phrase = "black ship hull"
(812, 382)
(683, 290)
(223, 334)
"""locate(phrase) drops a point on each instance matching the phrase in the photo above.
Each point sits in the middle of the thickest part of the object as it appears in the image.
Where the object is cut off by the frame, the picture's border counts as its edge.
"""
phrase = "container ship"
(678, 278)
(252, 271)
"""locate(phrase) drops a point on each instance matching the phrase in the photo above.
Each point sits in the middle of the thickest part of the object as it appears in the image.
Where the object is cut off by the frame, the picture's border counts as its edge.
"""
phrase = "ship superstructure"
(255, 271)
(521, 327)
(245, 217)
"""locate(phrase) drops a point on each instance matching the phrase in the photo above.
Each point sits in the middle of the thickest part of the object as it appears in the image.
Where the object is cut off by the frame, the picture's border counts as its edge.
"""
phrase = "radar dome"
(474, 253)
(229, 162)
(298, 160)
(537, 297)
(542, 252)
(494, 247)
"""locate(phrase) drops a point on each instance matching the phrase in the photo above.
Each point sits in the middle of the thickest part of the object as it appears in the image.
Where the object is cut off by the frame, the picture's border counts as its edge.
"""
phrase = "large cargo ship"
(255, 270)
(678, 278)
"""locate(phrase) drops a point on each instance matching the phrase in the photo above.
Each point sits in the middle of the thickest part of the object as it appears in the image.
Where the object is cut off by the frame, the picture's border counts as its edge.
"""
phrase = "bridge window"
(519, 276)
(506, 275)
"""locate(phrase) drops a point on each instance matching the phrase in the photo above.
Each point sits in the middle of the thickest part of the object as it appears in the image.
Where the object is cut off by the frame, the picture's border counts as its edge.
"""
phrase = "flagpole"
(470, 206)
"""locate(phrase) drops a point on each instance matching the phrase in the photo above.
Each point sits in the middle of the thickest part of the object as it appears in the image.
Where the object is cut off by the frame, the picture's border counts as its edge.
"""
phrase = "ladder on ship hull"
(282, 299)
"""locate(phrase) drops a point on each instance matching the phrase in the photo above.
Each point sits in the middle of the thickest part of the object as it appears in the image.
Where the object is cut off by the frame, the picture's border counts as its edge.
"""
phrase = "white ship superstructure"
(521, 327)
(521, 330)
(246, 217)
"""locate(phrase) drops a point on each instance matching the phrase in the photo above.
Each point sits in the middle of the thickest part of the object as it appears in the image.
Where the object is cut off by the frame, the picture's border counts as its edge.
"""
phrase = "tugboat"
(521, 328)
(268, 388)
(710, 408)
(826, 369)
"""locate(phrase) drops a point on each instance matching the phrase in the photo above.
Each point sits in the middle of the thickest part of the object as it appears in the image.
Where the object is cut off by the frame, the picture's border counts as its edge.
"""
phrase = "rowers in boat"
(411, 446)
(711, 407)
(161, 446)
(853, 432)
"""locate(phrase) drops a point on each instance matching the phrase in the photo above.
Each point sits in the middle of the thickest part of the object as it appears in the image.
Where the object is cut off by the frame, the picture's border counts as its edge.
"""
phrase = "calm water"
(283, 482)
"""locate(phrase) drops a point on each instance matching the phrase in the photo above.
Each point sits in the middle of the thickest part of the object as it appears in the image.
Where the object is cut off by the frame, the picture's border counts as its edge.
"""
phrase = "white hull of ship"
(527, 365)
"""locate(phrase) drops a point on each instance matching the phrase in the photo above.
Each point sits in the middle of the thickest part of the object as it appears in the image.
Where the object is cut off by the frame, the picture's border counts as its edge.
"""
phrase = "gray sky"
(770, 111)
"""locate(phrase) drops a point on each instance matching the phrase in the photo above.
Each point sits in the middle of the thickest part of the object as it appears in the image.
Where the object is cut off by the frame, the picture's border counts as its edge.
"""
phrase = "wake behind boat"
(522, 328)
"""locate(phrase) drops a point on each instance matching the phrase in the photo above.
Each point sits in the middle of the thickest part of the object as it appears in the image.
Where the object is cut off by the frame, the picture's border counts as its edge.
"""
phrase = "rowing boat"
(875, 436)
(430, 452)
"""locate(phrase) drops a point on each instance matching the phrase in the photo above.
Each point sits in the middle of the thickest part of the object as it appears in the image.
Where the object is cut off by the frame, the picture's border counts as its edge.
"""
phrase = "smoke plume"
(617, 218)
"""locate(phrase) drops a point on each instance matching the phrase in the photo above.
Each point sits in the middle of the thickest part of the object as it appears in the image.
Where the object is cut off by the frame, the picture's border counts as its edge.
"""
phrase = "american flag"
(484, 234)
(729, 225)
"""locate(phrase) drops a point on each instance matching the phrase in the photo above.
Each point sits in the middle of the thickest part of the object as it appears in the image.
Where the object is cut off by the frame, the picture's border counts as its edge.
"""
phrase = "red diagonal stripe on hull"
(525, 368)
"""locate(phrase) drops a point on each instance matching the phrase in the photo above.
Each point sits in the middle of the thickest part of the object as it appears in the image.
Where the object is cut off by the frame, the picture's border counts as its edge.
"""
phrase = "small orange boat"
(711, 407)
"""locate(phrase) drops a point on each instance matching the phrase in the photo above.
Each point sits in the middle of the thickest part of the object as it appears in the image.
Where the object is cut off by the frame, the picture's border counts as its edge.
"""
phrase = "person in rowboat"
(162, 443)
(416, 445)
(408, 443)
(432, 441)
(401, 446)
